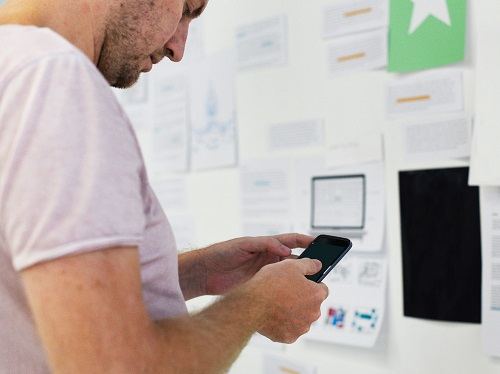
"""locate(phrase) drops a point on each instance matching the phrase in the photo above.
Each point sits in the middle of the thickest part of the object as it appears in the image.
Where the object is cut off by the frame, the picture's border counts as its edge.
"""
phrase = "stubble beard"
(117, 62)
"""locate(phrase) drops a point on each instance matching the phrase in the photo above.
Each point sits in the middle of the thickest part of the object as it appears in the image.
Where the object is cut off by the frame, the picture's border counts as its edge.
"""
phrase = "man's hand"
(292, 302)
(233, 262)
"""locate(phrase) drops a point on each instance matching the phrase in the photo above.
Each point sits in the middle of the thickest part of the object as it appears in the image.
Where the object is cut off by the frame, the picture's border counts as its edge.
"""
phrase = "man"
(89, 276)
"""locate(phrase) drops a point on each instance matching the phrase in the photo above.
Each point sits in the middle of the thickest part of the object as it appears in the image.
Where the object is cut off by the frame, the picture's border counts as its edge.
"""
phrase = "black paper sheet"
(441, 245)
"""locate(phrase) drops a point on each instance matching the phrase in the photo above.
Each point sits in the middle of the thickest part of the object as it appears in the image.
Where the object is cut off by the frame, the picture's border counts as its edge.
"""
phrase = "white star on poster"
(423, 9)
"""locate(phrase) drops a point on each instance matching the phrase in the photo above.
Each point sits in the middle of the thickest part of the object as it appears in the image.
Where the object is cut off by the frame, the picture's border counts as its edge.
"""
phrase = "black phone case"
(341, 247)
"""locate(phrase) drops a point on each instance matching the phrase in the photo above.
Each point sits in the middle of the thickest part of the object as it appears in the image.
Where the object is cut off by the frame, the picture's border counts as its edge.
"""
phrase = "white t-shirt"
(72, 180)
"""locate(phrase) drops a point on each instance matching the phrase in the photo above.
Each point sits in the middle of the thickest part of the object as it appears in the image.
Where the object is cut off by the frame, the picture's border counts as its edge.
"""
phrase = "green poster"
(426, 33)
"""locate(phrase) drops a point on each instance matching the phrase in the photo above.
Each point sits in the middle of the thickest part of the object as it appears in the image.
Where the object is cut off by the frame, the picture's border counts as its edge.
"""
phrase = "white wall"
(302, 90)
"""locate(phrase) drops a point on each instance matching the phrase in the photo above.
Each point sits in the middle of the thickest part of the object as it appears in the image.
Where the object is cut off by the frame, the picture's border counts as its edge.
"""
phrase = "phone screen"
(329, 250)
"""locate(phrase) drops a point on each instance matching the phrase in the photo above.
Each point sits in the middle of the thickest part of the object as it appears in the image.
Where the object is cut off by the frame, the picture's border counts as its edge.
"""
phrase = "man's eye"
(186, 11)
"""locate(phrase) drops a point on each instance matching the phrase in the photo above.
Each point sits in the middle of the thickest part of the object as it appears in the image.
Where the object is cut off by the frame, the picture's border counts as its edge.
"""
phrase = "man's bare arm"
(218, 268)
(192, 274)
(91, 317)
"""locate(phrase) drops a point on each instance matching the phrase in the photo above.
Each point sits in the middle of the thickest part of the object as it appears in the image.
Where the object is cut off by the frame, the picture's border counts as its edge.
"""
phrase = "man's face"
(140, 33)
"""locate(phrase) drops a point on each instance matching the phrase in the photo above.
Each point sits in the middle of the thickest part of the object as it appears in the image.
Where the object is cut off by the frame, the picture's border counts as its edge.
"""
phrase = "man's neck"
(81, 22)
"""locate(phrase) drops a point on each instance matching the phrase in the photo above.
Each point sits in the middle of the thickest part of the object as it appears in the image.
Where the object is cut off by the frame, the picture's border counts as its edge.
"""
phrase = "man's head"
(139, 33)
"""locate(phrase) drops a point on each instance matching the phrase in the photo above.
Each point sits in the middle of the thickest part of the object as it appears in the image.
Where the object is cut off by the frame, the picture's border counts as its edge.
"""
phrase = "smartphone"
(329, 250)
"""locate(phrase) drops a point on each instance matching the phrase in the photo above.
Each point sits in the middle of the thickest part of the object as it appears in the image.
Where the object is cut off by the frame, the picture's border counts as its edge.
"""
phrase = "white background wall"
(350, 105)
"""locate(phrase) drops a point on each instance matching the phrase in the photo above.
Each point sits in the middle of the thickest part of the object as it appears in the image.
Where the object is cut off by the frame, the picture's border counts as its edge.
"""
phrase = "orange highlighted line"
(351, 57)
(288, 371)
(358, 12)
(410, 99)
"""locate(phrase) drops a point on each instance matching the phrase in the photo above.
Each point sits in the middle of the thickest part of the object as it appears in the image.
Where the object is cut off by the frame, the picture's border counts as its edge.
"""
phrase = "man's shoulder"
(22, 45)
(39, 39)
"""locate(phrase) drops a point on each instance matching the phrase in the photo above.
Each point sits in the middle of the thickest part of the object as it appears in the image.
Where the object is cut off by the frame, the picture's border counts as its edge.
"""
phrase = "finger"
(272, 245)
(276, 247)
(256, 244)
(327, 290)
(308, 266)
(294, 240)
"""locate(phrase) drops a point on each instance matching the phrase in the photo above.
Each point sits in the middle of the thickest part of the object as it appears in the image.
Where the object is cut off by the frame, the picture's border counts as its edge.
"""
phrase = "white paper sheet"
(438, 139)
(135, 102)
(137, 94)
(338, 201)
(358, 52)
(354, 16)
(262, 43)
(169, 138)
(266, 197)
(354, 311)
(194, 49)
(139, 116)
(296, 134)
(425, 93)
(281, 364)
(368, 239)
(267, 227)
(213, 122)
(183, 226)
(171, 193)
(490, 242)
(485, 155)
(355, 150)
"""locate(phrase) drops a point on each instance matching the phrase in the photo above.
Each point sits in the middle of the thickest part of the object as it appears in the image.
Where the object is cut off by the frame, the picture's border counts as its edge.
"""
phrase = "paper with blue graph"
(353, 313)
(212, 112)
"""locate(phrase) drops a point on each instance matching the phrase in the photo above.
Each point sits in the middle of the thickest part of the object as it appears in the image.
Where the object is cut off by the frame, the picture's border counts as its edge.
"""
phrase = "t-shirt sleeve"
(72, 167)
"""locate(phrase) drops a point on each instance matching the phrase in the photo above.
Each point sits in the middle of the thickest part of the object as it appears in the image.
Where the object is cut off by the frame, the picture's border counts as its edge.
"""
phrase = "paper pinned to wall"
(354, 16)
(171, 193)
(438, 139)
(170, 126)
(194, 50)
(426, 34)
(485, 155)
(265, 228)
(490, 242)
(212, 109)
(425, 93)
(358, 52)
(281, 364)
(368, 238)
(183, 226)
(135, 95)
(353, 313)
(135, 102)
(355, 150)
(442, 276)
(266, 197)
(296, 134)
(263, 43)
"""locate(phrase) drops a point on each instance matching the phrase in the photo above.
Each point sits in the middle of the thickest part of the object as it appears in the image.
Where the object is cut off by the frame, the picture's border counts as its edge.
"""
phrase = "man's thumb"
(309, 266)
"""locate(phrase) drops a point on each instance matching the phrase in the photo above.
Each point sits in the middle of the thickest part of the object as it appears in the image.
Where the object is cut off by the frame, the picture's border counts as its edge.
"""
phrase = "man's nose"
(175, 46)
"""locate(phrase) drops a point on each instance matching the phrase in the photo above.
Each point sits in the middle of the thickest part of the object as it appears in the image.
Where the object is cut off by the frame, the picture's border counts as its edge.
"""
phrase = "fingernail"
(284, 248)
